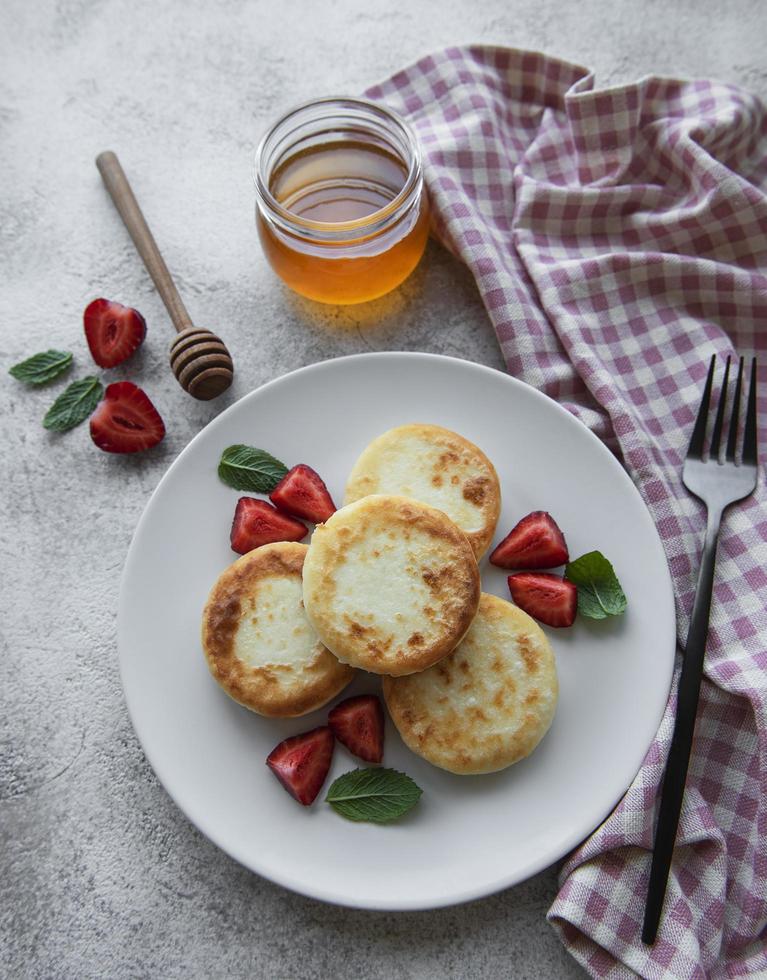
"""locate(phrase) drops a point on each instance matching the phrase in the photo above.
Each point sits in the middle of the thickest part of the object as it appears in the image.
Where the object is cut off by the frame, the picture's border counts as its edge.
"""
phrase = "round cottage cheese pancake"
(438, 467)
(489, 703)
(390, 584)
(258, 642)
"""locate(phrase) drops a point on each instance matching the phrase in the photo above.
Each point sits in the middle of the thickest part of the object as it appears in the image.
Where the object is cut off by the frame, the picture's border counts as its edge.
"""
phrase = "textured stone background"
(100, 875)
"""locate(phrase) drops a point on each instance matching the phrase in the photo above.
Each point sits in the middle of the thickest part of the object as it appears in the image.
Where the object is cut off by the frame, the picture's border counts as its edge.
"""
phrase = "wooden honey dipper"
(199, 359)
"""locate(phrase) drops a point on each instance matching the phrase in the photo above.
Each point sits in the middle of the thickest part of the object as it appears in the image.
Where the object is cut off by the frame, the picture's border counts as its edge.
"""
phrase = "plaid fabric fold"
(618, 239)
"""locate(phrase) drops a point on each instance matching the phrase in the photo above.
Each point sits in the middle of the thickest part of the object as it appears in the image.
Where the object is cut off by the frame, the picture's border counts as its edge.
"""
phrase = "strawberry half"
(256, 523)
(535, 542)
(302, 492)
(358, 723)
(113, 331)
(549, 598)
(126, 421)
(301, 763)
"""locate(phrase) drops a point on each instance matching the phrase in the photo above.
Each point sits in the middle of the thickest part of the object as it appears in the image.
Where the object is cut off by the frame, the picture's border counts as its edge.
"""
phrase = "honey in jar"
(341, 209)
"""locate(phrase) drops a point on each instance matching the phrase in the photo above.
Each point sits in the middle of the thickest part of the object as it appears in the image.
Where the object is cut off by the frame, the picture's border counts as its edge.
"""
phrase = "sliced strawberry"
(302, 492)
(535, 542)
(358, 723)
(256, 523)
(113, 331)
(301, 763)
(126, 421)
(549, 598)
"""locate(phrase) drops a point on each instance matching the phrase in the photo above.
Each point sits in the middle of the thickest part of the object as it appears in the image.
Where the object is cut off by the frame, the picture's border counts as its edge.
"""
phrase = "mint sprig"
(74, 404)
(42, 368)
(599, 592)
(373, 795)
(246, 468)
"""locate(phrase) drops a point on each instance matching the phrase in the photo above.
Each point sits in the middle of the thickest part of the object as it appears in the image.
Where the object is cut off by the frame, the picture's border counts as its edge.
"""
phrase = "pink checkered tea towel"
(619, 239)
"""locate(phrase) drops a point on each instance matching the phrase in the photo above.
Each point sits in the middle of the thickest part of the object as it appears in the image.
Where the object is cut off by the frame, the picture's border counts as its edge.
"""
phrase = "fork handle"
(675, 775)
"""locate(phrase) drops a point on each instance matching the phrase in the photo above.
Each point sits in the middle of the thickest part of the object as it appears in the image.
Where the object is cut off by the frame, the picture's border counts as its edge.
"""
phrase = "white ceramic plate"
(469, 836)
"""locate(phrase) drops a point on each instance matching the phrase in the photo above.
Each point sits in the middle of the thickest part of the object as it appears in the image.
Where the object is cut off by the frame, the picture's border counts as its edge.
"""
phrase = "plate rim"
(316, 891)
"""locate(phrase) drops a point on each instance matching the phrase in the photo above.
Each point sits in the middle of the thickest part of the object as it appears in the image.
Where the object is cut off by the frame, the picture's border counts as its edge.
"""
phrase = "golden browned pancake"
(258, 642)
(390, 584)
(438, 467)
(489, 703)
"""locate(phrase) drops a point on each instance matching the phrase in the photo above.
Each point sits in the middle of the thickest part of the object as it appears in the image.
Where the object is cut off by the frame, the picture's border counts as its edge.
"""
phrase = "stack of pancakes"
(390, 585)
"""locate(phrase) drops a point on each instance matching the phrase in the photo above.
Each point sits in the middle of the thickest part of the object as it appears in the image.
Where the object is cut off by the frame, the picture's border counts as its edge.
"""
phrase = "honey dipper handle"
(117, 184)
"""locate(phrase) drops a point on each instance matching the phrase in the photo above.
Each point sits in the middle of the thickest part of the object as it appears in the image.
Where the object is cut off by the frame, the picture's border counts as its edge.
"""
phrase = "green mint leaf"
(42, 368)
(74, 404)
(375, 795)
(246, 468)
(599, 592)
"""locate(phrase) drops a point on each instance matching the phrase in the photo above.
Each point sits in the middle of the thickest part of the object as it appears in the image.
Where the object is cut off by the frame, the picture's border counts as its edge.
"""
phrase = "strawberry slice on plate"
(126, 421)
(535, 542)
(301, 763)
(302, 493)
(358, 723)
(256, 523)
(113, 331)
(548, 598)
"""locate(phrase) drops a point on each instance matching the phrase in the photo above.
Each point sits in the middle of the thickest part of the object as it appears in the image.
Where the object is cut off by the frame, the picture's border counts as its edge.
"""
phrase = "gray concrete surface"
(100, 875)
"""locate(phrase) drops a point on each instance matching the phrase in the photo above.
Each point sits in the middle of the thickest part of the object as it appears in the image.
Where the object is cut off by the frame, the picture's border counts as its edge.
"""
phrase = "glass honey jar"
(341, 209)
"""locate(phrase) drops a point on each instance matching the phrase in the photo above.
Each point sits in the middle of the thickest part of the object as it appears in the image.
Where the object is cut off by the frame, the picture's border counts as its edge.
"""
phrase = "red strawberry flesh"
(301, 763)
(358, 723)
(549, 598)
(302, 493)
(535, 542)
(256, 523)
(126, 421)
(113, 331)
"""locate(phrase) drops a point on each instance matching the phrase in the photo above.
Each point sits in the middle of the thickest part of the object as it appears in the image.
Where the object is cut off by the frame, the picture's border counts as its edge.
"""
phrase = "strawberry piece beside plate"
(548, 598)
(358, 723)
(301, 763)
(126, 421)
(535, 542)
(113, 331)
(256, 522)
(302, 493)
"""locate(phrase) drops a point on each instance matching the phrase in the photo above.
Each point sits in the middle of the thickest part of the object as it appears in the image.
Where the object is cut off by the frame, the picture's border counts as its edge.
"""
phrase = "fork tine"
(699, 432)
(732, 438)
(716, 435)
(749, 435)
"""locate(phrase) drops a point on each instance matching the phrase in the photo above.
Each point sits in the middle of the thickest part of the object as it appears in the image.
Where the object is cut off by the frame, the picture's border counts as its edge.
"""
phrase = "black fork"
(717, 481)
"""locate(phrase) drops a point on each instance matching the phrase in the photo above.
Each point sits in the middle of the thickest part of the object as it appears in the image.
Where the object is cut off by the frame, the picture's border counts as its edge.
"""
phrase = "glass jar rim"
(368, 225)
